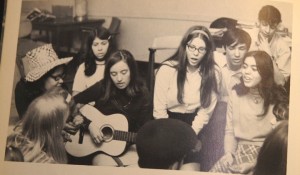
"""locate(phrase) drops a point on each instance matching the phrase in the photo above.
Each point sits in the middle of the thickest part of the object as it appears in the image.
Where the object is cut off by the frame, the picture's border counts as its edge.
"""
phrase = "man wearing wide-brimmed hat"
(42, 71)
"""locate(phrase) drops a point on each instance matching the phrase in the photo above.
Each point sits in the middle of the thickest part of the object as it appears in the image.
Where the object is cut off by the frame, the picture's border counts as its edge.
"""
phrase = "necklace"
(257, 99)
(255, 96)
(123, 106)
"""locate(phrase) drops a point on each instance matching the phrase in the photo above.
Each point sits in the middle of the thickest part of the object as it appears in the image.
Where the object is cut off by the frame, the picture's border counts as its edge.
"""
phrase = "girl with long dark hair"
(98, 48)
(186, 84)
(121, 91)
(250, 112)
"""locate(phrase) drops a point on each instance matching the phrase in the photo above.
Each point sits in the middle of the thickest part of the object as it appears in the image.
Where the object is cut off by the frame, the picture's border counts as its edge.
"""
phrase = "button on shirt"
(229, 77)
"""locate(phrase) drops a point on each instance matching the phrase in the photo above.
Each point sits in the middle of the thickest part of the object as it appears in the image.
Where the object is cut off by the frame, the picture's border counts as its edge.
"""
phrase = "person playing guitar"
(120, 92)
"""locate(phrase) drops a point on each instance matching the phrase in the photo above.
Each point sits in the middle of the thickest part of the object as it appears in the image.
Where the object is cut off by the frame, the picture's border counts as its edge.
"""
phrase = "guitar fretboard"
(125, 136)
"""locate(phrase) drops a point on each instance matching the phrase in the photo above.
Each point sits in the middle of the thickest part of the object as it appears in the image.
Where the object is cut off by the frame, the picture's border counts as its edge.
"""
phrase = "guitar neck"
(125, 136)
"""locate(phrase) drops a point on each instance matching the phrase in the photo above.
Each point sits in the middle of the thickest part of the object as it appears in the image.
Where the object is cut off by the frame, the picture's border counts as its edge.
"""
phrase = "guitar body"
(108, 125)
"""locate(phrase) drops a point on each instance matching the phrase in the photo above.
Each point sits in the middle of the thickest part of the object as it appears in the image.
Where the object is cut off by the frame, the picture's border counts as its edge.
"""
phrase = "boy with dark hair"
(163, 143)
(268, 39)
(236, 43)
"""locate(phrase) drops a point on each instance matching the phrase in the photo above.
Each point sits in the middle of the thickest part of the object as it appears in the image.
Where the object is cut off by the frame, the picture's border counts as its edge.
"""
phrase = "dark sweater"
(24, 94)
(137, 110)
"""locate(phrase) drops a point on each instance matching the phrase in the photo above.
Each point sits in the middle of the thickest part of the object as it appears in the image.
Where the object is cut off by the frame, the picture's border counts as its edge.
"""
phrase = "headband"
(201, 32)
(122, 56)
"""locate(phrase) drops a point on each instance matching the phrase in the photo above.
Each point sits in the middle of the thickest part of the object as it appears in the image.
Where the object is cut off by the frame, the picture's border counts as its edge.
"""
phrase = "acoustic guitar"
(115, 131)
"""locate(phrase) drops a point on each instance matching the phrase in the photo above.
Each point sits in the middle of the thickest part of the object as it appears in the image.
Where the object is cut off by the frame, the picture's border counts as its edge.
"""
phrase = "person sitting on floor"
(236, 43)
(121, 91)
(163, 143)
(43, 70)
(38, 135)
(272, 157)
(98, 48)
(249, 114)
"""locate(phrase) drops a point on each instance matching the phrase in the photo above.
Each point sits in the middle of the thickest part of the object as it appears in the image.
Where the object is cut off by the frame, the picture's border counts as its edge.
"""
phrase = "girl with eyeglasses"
(43, 70)
(186, 84)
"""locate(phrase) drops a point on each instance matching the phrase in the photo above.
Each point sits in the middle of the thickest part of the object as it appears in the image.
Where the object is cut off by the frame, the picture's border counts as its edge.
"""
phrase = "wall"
(28, 5)
(143, 20)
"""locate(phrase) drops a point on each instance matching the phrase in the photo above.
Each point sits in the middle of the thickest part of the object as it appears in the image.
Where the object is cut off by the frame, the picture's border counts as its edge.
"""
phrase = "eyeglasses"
(58, 77)
(193, 48)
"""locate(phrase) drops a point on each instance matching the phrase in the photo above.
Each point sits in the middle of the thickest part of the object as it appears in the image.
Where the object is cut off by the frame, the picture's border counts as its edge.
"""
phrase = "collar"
(197, 71)
(100, 62)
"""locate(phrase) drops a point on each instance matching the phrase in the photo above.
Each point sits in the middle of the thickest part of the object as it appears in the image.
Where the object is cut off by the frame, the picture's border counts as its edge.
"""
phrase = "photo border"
(7, 68)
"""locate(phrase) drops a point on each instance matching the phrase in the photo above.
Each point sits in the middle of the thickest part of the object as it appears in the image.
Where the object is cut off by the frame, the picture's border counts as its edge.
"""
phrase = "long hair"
(135, 86)
(272, 157)
(68, 98)
(206, 69)
(90, 58)
(267, 88)
(43, 123)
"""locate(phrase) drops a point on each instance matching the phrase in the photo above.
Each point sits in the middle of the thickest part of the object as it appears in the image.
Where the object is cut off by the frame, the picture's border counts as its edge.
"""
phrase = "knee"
(103, 160)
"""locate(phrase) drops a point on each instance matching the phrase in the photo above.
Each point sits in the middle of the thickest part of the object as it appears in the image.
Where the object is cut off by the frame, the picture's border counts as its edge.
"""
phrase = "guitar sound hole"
(107, 133)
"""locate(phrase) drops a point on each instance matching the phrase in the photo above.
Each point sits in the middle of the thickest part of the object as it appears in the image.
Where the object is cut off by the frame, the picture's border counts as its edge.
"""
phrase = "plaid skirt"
(244, 154)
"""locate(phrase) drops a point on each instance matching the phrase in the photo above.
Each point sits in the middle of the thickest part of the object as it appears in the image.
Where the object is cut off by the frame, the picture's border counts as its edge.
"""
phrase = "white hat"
(41, 60)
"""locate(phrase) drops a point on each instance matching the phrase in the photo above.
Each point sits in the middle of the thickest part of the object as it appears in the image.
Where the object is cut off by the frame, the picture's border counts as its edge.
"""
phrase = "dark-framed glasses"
(58, 77)
(193, 48)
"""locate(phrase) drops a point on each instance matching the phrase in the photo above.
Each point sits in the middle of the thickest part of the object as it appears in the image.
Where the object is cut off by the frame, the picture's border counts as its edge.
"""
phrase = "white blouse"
(165, 96)
(82, 82)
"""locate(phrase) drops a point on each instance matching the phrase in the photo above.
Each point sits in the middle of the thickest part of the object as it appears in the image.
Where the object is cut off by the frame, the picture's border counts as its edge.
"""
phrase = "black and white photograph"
(149, 86)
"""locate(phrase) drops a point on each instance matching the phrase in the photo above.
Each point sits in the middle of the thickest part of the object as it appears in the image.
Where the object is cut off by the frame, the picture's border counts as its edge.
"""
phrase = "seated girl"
(249, 114)
(39, 134)
(121, 91)
(186, 84)
(98, 48)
